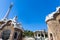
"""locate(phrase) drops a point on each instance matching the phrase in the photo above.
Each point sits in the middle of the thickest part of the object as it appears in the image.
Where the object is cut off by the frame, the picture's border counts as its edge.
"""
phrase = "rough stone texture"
(12, 29)
(54, 27)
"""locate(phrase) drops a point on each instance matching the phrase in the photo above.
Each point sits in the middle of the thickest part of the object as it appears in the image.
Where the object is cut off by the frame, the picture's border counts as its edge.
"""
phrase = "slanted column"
(37, 34)
(44, 35)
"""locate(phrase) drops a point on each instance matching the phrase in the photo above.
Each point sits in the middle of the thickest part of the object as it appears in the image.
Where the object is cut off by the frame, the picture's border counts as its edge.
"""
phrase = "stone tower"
(53, 23)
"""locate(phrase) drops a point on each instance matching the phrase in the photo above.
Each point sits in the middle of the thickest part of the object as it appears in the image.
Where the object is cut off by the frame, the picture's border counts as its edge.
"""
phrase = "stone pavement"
(0, 39)
(28, 38)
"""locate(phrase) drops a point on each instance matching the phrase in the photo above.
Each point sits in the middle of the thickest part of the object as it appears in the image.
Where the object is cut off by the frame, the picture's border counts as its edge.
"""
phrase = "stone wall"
(54, 27)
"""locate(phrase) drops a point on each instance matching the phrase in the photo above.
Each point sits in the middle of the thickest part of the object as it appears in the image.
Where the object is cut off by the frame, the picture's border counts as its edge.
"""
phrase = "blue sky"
(31, 13)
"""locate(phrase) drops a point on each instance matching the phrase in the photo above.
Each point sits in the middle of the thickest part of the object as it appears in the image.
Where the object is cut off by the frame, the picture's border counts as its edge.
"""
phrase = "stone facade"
(40, 35)
(53, 23)
(10, 29)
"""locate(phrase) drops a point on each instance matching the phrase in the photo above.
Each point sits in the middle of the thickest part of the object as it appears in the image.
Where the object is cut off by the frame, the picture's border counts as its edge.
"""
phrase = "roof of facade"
(14, 22)
(51, 16)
